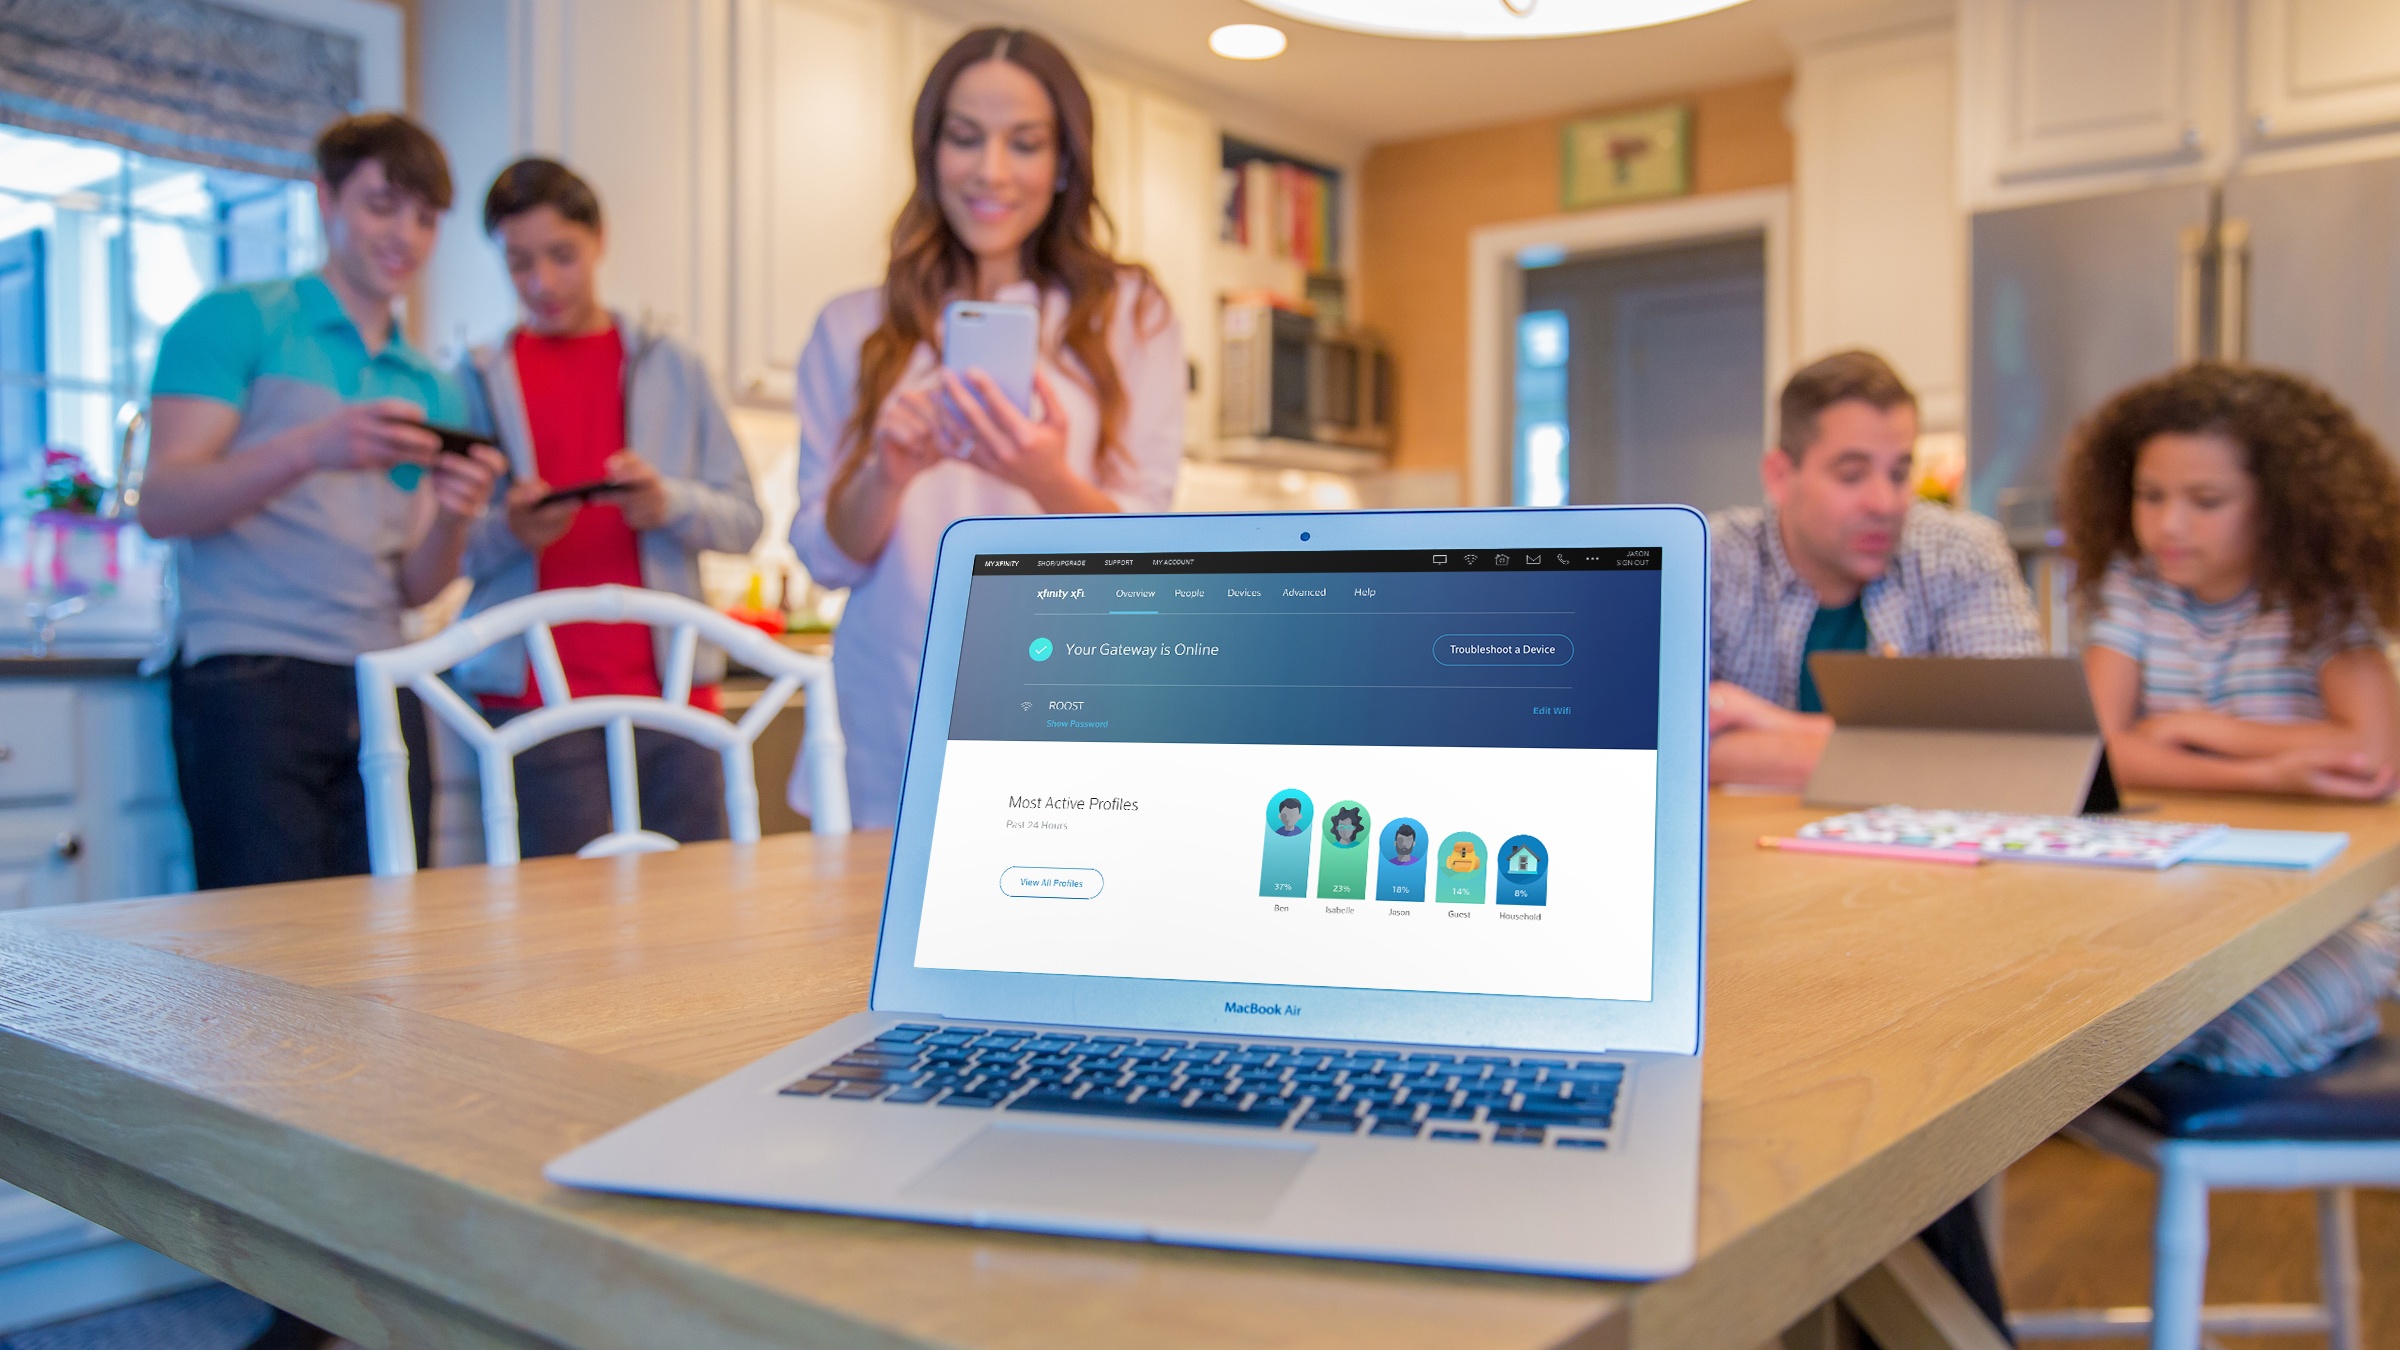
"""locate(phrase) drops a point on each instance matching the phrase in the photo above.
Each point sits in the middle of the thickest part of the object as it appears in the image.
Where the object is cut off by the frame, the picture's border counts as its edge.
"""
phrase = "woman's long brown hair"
(930, 266)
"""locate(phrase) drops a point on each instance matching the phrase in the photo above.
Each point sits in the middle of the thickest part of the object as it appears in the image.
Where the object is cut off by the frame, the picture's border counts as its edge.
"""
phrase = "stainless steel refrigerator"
(2074, 301)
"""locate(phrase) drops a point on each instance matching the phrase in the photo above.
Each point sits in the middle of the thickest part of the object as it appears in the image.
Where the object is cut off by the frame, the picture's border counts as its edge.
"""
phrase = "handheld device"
(999, 339)
(582, 493)
(455, 441)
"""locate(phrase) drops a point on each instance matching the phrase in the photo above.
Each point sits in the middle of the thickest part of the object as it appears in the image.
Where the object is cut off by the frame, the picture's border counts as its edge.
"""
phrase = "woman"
(892, 449)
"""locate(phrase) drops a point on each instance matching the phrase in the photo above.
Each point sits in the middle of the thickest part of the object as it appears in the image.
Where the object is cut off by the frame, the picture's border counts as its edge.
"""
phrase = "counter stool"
(383, 756)
(2325, 1131)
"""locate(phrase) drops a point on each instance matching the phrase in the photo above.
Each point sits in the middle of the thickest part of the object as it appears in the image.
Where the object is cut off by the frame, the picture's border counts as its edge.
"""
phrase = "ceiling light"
(1247, 41)
(1490, 18)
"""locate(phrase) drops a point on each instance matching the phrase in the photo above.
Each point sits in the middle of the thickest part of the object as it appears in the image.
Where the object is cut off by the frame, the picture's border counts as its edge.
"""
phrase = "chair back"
(383, 755)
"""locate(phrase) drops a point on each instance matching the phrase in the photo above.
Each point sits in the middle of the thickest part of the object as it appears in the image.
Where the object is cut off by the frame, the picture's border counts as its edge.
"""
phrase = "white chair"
(2326, 1131)
(383, 756)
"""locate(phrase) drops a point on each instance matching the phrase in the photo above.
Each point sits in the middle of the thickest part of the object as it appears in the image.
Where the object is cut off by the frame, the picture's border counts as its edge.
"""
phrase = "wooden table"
(339, 1094)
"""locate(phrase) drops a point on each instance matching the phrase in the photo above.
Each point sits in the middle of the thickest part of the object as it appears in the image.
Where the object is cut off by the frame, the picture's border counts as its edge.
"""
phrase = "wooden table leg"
(1910, 1303)
(1828, 1327)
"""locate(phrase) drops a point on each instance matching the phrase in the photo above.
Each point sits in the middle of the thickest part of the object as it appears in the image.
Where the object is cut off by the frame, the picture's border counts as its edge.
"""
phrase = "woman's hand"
(537, 528)
(907, 437)
(641, 494)
(863, 502)
(1014, 448)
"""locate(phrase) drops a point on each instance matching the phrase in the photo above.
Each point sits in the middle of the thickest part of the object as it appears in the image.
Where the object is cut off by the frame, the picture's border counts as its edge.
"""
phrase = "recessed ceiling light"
(1490, 18)
(1247, 41)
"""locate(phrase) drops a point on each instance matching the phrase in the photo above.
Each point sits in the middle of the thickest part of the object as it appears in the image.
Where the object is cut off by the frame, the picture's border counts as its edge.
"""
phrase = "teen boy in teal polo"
(308, 514)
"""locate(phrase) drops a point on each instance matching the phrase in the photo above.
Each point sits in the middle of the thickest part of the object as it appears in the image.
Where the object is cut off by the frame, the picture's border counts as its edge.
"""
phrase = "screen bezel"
(1669, 1021)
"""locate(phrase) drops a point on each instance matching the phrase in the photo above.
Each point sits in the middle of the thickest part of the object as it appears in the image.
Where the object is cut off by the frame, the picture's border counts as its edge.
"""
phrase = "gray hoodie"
(672, 420)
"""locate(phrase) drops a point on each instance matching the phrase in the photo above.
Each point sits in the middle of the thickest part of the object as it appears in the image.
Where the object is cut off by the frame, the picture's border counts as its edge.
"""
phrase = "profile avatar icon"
(1521, 862)
(1289, 816)
(1344, 826)
(1463, 857)
(1404, 848)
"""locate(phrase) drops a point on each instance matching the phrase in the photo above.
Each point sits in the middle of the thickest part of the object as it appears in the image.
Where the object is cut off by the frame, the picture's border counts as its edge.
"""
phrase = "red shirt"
(574, 391)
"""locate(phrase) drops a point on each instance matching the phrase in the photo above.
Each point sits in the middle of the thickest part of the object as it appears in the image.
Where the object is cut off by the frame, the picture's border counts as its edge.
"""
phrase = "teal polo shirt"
(314, 573)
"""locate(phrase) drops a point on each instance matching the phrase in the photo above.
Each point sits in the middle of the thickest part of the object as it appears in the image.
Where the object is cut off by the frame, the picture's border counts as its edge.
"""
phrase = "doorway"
(1685, 318)
(1640, 375)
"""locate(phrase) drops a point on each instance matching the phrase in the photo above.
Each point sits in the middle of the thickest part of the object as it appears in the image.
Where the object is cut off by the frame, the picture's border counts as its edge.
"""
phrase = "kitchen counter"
(68, 667)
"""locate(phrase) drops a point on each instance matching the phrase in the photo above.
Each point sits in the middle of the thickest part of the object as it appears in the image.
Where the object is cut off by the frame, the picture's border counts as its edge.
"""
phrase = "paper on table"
(2299, 850)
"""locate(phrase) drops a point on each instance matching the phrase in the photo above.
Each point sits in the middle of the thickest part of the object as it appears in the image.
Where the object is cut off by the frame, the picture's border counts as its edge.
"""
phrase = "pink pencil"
(1896, 852)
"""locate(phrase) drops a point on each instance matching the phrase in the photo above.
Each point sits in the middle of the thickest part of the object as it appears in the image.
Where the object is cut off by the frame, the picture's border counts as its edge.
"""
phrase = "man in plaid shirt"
(1843, 559)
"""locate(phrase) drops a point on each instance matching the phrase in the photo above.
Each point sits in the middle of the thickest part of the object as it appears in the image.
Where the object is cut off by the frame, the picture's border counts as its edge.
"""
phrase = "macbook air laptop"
(1326, 884)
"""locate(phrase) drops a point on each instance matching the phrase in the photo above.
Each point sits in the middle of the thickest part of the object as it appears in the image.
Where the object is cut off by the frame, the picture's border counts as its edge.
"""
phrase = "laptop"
(1324, 884)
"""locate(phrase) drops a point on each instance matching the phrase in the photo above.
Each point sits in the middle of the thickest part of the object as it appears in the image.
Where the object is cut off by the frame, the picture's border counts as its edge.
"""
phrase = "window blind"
(181, 79)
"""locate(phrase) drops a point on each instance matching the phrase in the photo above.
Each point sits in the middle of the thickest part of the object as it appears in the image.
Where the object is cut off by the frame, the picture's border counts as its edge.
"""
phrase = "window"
(1541, 431)
(100, 249)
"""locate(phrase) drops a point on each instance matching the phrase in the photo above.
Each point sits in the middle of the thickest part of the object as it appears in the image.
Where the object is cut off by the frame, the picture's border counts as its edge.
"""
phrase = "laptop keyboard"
(1483, 1099)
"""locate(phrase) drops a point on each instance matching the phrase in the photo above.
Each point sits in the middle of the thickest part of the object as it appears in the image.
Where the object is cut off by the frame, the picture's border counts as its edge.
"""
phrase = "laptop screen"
(1398, 770)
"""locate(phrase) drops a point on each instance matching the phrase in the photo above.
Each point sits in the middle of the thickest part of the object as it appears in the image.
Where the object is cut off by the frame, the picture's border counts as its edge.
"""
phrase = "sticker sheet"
(2108, 841)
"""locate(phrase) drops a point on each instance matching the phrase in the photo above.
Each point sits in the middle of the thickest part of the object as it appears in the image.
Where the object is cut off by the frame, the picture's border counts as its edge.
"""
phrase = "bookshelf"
(1280, 229)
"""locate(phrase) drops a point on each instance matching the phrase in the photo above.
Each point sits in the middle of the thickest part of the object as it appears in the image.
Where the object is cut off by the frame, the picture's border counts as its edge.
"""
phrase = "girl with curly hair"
(2236, 539)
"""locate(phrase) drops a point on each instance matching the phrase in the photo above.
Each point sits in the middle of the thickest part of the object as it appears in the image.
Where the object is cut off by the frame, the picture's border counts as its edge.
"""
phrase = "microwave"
(1285, 379)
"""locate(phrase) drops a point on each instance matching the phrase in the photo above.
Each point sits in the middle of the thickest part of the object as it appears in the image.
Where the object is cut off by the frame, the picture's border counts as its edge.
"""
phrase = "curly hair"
(2328, 499)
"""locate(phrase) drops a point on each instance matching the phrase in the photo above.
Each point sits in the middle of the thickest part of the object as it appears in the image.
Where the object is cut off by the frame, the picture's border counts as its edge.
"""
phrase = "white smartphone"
(1001, 340)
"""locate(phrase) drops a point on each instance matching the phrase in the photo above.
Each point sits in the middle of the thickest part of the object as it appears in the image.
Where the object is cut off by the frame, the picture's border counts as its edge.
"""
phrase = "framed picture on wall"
(1627, 157)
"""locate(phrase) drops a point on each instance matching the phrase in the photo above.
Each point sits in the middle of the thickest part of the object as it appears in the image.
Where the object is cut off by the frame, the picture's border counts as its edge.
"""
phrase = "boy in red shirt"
(579, 395)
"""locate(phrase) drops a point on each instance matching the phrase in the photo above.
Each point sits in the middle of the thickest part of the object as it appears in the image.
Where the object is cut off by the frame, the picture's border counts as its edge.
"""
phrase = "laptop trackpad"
(1031, 1167)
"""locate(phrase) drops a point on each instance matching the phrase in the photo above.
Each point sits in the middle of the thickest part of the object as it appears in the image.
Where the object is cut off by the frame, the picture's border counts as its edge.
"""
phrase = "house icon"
(1521, 861)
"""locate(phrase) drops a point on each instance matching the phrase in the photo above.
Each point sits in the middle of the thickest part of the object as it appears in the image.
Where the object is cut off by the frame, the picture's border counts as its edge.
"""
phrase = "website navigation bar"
(1477, 559)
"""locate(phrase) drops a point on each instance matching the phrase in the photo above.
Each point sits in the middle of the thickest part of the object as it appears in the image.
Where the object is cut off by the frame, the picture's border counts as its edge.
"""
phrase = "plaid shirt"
(1951, 589)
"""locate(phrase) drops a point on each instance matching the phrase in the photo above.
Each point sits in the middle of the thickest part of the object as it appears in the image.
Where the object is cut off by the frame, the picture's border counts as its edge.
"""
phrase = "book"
(2100, 841)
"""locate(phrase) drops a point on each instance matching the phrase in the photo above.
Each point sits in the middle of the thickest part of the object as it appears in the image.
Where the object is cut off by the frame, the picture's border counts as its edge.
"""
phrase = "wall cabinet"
(820, 145)
(632, 95)
(2068, 98)
(2319, 67)
(1174, 191)
(1882, 247)
(2059, 90)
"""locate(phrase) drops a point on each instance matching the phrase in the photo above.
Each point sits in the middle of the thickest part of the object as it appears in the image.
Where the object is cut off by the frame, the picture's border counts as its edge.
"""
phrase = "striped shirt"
(1951, 589)
(2231, 659)
(2223, 658)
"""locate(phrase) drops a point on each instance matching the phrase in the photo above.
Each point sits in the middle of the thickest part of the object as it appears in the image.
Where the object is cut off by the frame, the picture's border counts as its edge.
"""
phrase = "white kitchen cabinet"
(2322, 67)
(87, 793)
(88, 807)
(1114, 129)
(1177, 175)
(2091, 94)
(1881, 241)
(2069, 98)
(821, 156)
(628, 93)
